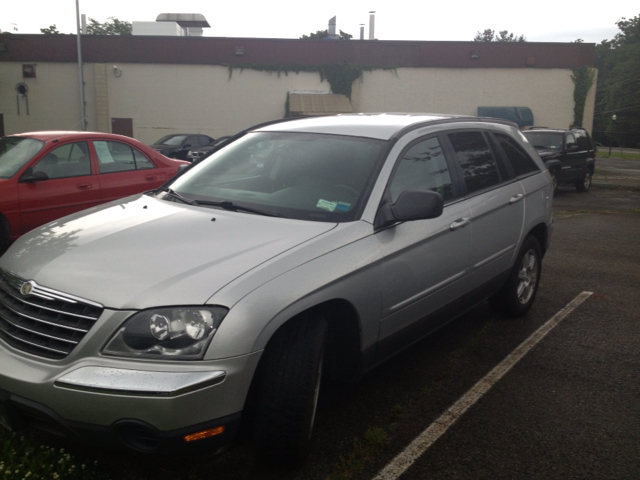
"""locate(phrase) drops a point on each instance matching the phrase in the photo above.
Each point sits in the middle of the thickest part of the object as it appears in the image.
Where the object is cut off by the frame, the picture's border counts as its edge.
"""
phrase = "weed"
(22, 458)
(361, 452)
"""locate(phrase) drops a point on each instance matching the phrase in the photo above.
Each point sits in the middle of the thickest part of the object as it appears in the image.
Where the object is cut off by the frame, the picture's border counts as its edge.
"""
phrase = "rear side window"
(476, 160)
(584, 142)
(119, 157)
(422, 167)
(521, 162)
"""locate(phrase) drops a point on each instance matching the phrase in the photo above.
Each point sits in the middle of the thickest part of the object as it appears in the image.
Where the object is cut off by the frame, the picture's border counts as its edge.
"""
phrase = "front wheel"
(518, 294)
(287, 396)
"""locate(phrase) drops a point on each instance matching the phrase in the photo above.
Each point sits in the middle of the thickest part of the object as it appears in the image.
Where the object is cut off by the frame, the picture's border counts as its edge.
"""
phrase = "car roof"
(69, 134)
(374, 125)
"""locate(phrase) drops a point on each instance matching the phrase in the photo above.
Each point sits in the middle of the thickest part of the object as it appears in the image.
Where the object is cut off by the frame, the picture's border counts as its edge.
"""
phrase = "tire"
(287, 394)
(584, 184)
(5, 241)
(517, 295)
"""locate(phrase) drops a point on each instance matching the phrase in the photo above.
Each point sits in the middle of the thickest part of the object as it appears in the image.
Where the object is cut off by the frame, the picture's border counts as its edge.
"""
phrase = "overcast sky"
(539, 21)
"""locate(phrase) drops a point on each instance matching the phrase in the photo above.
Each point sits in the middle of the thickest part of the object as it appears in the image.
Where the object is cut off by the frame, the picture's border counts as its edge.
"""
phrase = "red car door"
(70, 186)
(124, 170)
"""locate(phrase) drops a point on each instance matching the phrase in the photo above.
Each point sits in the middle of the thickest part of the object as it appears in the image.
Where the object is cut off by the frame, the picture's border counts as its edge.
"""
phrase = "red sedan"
(47, 175)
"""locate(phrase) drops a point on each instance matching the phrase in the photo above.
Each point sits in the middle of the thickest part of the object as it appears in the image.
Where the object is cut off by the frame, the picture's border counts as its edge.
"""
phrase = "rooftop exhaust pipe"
(372, 25)
(332, 27)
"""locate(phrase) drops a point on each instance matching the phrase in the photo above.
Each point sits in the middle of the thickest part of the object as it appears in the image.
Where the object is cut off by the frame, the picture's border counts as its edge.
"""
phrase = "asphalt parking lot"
(570, 408)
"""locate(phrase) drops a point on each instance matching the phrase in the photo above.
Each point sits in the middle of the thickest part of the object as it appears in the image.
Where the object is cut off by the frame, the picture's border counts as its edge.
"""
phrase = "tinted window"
(422, 167)
(476, 159)
(519, 160)
(119, 157)
(571, 140)
(69, 160)
(584, 142)
(203, 141)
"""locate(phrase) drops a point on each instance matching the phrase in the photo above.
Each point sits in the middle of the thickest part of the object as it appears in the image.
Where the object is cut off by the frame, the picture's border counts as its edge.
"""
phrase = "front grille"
(43, 321)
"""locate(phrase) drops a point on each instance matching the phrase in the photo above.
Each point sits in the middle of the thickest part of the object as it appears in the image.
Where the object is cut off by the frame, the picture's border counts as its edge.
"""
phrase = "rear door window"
(119, 157)
(479, 166)
(521, 163)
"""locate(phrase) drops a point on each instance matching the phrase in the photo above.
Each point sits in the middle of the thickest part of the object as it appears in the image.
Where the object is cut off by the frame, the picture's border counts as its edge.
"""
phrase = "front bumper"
(17, 412)
(146, 406)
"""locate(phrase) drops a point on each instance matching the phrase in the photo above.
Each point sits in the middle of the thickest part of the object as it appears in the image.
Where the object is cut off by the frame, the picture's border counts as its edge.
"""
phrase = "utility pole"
(83, 113)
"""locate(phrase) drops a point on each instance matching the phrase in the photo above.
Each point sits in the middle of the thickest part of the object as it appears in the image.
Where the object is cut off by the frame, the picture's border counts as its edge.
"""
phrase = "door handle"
(84, 186)
(516, 198)
(461, 222)
(150, 178)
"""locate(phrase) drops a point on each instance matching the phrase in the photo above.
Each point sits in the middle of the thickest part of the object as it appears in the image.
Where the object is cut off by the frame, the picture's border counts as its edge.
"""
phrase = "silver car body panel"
(142, 252)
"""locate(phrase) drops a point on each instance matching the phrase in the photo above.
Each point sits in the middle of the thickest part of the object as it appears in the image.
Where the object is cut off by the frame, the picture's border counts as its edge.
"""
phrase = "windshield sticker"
(327, 205)
(343, 207)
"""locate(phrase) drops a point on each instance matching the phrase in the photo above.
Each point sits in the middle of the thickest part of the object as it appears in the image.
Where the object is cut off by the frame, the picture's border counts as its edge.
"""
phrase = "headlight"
(180, 333)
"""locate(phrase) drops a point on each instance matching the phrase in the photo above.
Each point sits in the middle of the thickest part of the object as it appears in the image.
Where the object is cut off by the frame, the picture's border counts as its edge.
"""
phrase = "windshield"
(173, 140)
(296, 175)
(15, 152)
(552, 141)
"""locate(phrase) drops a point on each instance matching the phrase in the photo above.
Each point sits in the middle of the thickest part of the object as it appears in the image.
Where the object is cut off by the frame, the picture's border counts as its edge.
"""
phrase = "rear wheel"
(287, 394)
(518, 294)
(583, 184)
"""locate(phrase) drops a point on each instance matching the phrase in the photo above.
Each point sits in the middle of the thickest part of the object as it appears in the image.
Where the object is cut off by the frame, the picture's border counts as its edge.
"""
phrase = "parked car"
(305, 248)
(573, 150)
(178, 145)
(197, 153)
(47, 175)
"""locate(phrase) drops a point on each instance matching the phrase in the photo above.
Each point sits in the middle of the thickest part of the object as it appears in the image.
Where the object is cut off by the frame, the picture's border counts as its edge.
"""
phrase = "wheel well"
(343, 356)
(541, 234)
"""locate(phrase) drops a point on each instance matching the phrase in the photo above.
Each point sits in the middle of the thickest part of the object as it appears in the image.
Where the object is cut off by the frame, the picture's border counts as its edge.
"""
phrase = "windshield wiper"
(234, 207)
(175, 194)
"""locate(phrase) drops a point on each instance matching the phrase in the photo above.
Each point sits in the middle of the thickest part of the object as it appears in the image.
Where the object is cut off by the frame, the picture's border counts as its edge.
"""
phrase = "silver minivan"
(302, 249)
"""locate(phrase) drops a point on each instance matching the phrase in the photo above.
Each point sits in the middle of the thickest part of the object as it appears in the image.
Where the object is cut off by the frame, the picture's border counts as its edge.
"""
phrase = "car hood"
(546, 153)
(143, 252)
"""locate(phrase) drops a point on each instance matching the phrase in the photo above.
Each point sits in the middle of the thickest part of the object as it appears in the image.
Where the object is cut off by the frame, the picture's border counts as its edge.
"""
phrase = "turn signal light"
(204, 434)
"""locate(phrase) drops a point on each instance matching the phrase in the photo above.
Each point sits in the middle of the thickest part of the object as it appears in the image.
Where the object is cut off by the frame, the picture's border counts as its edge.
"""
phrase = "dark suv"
(573, 150)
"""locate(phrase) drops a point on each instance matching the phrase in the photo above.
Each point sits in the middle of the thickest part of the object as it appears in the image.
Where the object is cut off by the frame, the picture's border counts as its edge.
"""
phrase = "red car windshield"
(15, 152)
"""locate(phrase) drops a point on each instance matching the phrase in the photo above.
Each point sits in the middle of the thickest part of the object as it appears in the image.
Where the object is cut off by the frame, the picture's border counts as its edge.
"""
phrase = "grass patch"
(614, 154)
(362, 450)
(23, 458)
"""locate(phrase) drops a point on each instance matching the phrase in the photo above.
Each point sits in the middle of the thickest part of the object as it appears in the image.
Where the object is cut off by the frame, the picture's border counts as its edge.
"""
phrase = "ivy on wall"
(583, 78)
(340, 77)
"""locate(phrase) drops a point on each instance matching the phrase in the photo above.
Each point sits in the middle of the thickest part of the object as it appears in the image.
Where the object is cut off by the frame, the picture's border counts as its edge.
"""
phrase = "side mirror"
(186, 147)
(410, 205)
(31, 176)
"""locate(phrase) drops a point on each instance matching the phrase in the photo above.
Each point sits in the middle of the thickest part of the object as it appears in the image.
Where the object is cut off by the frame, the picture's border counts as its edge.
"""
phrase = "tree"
(52, 30)
(321, 34)
(618, 91)
(503, 36)
(112, 26)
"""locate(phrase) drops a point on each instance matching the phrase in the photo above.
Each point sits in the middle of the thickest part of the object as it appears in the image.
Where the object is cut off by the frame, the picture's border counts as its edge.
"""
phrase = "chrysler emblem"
(26, 288)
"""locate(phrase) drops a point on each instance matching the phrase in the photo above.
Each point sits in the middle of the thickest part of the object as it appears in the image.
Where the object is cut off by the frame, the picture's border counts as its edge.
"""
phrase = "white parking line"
(428, 437)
